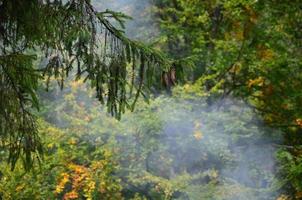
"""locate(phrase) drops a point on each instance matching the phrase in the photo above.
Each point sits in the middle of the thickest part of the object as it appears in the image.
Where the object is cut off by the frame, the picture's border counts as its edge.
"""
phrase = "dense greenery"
(149, 154)
(71, 36)
(231, 128)
(249, 49)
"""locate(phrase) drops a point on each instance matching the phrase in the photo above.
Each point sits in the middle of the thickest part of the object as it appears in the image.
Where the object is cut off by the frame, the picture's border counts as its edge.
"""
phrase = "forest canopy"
(219, 115)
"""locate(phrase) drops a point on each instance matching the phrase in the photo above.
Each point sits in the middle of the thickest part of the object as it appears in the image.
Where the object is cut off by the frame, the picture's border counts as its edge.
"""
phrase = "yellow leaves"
(279, 27)
(50, 145)
(197, 125)
(198, 135)
(203, 18)
(107, 154)
(217, 87)
(213, 174)
(75, 84)
(85, 180)
(283, 197)
(165, 188)
(87, 118)
(269, 118)
(102, 187)
(89, 188)
(97, 165)
(240, 30)
(239, 35)
(69, 97)
(50, 130)
(236, 68)
(265, 53)
(186, 87)
(263, 89)
(78, 169)
(237, 32)
(60, 187)
(299, 122)
(73, 141)
(20, 187)
(81, 179)
(256, 82)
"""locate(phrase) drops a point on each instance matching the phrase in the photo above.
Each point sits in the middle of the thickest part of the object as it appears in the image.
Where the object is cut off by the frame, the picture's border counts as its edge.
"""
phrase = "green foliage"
(18, 131)
(248, 49)
(70, 170)
(291, 170)
(154, 149)
(74, 37)
(242, 48)
(196, 144)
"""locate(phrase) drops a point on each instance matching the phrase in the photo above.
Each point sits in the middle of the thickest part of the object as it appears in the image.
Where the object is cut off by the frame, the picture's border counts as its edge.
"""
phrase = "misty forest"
(151, 99)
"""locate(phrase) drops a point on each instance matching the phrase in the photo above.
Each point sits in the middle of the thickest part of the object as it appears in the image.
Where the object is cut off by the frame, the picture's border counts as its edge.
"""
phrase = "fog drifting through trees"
(222, 146)
(190, 100)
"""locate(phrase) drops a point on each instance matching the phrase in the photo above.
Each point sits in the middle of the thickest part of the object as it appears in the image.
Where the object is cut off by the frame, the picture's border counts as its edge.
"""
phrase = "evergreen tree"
(72, 36)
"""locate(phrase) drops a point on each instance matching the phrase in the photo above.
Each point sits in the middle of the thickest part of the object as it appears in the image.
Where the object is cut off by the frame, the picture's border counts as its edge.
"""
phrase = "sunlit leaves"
(64, 178)
(255, 82)
(198, 135)
(299, 122)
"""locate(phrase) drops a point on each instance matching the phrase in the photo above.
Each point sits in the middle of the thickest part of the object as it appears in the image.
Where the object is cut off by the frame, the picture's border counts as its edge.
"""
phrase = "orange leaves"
(264, 87)
(60, 187)
(80, 179)
(255, 82)
(78, 169)
(71, 195)
(84, 181)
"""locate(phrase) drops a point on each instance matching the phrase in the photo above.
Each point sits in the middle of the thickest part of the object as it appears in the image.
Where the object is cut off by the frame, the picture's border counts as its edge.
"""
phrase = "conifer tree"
(73, 37)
